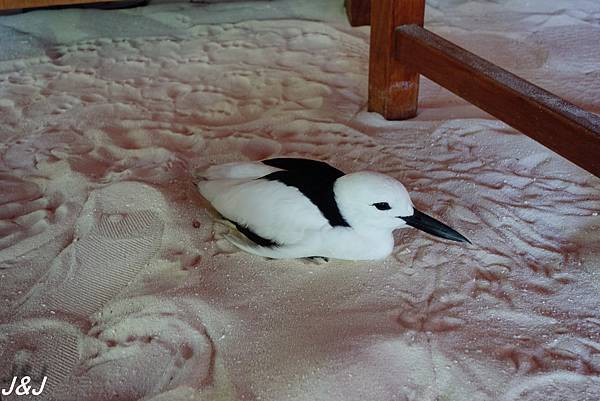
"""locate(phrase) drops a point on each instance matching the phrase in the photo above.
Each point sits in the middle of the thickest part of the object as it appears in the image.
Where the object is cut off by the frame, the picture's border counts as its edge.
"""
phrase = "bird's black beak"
(432, 226)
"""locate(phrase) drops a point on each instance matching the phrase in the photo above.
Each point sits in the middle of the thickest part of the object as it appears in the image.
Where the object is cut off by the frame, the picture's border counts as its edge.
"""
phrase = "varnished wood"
(559, 125)
(393, 86)
(15, 4)
(358, 12)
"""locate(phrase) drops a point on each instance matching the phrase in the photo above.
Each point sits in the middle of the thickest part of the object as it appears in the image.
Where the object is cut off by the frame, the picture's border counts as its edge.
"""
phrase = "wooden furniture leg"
(393, 86)
(358, 12)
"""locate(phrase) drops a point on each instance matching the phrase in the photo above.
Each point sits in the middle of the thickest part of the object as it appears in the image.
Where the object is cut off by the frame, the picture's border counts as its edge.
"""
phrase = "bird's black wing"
(304, 165)
(314, 179)
(254, 237)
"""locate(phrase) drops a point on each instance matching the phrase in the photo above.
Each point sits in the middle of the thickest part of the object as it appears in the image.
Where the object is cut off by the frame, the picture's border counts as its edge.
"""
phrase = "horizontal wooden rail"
(561, 126)
(16, 4)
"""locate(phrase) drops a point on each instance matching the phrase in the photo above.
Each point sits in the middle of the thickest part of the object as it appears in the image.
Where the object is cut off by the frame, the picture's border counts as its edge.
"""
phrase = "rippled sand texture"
(114, 278)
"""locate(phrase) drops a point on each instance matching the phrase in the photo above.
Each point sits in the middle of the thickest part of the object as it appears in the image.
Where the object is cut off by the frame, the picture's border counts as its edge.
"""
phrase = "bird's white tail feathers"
(237, 170)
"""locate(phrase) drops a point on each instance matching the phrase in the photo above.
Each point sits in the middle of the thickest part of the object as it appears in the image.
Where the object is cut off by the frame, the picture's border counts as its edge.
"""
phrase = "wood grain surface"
(358, 12)
(393, 86)
(552, 121)
(16, 4)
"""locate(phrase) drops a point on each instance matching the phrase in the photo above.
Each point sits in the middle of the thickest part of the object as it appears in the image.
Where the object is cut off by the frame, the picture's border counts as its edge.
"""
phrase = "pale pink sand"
(114, 277)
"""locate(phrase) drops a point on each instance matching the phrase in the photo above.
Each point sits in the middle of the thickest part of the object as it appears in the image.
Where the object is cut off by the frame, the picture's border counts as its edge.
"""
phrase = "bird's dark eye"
(382, 206)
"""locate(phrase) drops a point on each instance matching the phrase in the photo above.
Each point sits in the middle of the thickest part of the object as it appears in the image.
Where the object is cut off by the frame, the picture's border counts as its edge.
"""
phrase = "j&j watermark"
(21, 382)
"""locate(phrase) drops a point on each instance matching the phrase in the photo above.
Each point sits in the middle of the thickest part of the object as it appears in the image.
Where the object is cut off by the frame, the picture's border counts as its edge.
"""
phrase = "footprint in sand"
(107, 260)
(117, 233)
(115, 236)
(38, 348)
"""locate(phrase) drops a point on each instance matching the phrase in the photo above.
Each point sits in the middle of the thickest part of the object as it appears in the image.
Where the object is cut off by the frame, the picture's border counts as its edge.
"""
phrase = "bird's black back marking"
(300, 165)
(315, 179)
(254, 237)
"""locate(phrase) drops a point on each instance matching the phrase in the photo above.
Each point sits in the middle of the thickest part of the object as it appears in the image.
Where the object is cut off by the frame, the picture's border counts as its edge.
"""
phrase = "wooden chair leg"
(393, 87)
(358, 11)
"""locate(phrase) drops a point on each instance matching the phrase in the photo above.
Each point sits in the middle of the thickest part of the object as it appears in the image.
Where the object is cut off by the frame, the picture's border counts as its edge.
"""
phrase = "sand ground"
(115, 279)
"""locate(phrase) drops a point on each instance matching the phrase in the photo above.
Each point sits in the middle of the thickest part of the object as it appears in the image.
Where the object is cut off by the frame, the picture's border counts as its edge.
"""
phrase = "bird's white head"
(376, 202)
(372, 200)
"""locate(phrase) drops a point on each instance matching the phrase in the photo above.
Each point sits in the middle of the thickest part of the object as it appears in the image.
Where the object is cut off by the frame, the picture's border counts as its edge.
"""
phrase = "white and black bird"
(296, 208)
